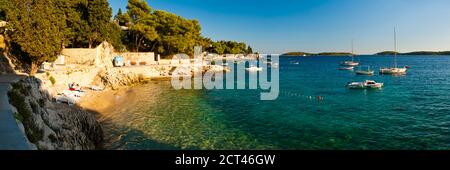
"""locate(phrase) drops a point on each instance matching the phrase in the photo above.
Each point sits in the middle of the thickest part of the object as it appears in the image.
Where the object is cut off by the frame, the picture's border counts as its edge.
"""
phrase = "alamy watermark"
(207, 72)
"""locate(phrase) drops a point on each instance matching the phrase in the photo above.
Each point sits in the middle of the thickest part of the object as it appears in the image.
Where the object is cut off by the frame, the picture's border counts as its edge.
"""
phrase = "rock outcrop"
(116, 78)
(52, 126)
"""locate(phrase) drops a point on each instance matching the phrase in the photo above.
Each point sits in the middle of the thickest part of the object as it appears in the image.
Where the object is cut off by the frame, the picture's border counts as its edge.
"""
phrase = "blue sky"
(277, 26)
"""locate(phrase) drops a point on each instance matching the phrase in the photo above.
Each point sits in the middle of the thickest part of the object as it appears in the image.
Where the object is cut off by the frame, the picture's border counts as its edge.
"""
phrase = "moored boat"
(368, 84)
(372, 84)
(346, 68)
(394, 70)
(352, 62)
(349, 63)
(364, 72)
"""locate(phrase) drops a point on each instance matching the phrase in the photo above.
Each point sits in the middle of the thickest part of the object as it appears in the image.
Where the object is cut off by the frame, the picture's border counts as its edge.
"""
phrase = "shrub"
(133, 63)
(142, 63)
(33, 132)
(18, 117)
(52, 79)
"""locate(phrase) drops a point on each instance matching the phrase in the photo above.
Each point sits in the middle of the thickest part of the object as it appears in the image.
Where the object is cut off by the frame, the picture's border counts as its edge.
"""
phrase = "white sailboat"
(350, 63)
(395, 69)
(364, 72)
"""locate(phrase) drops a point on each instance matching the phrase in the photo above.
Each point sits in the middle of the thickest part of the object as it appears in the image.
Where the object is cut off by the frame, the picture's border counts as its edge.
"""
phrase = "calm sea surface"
(410, 112)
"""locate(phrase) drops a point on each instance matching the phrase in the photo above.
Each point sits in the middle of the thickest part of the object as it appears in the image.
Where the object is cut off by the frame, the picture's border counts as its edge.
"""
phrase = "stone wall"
(102, 56)
(148, 58)
(83, 56)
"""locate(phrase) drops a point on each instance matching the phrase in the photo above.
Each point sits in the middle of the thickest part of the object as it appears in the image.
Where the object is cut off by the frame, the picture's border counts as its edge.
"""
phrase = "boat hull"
(364, 72)
(349, 63)
(393, 71)
(375, 86)
(346, 68)
(365, 85)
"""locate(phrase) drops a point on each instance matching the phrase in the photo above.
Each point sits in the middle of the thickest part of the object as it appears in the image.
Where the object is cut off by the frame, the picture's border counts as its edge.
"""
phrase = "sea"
(314, 111)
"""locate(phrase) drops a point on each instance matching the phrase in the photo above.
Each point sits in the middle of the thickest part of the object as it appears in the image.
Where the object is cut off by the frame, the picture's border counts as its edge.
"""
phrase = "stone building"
(102, 56)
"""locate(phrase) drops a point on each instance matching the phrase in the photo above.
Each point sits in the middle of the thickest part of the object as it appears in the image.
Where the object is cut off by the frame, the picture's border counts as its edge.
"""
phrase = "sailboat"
(395, 69)
(364, 72)
(350, 63)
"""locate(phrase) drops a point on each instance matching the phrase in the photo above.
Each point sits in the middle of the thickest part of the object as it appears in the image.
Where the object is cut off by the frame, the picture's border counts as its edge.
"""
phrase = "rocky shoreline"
(49, 125)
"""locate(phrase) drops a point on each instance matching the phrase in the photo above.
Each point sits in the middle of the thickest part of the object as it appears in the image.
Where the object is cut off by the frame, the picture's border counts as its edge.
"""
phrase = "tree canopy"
(37, 30)
(141, 25)
(99, 19)
(40, 29)
(166, 33)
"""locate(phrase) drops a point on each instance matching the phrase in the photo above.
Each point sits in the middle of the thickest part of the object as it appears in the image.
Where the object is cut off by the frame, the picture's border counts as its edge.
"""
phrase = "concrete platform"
(11, 137)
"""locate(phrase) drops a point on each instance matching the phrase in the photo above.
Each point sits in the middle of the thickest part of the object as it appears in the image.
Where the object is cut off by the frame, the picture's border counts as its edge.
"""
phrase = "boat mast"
(353, 56)
(395, 48)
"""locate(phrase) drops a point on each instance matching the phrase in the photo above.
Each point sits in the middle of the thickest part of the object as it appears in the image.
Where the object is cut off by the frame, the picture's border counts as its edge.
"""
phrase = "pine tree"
(141, 24)
(99, 18)
(36, 30)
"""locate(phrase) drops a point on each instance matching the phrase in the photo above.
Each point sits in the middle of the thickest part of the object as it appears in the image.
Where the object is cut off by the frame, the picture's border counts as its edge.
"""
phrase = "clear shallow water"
(410, 112)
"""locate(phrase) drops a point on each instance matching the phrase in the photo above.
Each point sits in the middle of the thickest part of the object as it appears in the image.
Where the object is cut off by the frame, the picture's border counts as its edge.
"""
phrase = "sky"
(278, 26)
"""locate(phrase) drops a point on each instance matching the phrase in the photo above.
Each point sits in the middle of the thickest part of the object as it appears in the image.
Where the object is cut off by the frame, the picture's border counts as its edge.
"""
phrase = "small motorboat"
(346, 68)
(253, 68)
(368, 84)
(372, 84)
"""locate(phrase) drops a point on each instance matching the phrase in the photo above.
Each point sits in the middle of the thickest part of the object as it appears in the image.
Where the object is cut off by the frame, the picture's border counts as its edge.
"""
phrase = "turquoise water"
(410, 112)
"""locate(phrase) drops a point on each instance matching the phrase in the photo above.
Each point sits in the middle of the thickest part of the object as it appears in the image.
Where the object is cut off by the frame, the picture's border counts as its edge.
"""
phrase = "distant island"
(317, 54)
(380, 53)
(415, 53)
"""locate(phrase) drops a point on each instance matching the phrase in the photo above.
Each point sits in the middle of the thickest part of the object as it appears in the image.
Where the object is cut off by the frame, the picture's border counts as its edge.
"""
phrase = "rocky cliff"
(52, 126)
